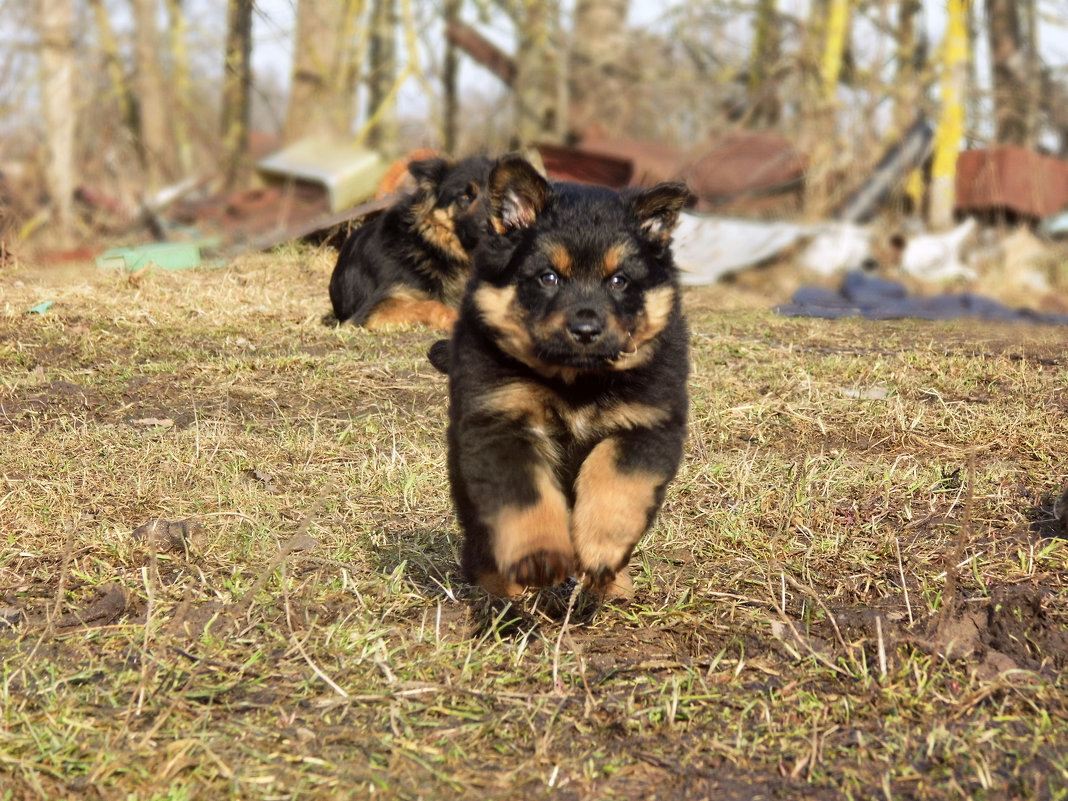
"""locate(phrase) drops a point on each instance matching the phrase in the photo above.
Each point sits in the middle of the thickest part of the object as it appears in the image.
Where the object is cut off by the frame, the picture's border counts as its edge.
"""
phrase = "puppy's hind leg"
(407, 308)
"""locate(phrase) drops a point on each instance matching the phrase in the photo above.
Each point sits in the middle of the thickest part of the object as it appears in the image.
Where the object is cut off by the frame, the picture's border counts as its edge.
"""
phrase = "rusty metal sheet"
(1008, 178)
(564, 163)
(745, 163)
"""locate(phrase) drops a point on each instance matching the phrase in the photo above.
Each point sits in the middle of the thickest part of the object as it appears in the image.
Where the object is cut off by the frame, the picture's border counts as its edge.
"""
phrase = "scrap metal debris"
(905, 155)
(347, 172)
(1011, 180)
(736, 172)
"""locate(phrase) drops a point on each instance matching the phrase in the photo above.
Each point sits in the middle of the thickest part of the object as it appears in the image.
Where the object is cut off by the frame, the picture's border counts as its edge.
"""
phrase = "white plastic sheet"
(707, 248)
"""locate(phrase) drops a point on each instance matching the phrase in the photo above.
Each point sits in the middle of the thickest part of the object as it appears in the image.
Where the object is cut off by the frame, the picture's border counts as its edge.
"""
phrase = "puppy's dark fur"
(567, 381)
(411, 263)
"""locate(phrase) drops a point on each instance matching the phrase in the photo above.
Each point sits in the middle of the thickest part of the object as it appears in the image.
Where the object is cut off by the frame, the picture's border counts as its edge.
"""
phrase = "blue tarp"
(863, 295)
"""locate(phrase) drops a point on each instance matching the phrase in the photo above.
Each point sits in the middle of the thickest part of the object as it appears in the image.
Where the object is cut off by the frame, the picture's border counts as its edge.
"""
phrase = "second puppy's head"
(449, 203)
(576, 278)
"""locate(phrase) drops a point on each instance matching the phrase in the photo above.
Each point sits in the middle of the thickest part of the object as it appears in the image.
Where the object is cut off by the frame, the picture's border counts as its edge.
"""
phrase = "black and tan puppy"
(411, 263)
(567, 382)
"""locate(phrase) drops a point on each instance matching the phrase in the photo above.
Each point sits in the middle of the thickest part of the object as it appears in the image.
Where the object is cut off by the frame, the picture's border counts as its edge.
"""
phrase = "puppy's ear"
(517, 194)
(657, 210)
(428, 173)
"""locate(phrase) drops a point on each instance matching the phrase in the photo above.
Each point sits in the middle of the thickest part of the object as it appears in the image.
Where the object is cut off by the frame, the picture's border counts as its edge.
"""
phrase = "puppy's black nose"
(585, 326)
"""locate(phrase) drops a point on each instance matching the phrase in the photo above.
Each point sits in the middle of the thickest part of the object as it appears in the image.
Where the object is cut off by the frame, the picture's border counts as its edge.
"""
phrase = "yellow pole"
(834, 47)
(950, 129)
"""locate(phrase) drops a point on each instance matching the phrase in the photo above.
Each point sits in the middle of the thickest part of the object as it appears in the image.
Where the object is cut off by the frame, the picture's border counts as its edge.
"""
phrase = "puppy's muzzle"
(585, 326)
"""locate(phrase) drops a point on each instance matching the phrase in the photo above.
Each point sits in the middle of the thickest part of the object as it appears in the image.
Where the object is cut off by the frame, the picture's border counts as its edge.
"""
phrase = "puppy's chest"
(562, 423)
(567, 420)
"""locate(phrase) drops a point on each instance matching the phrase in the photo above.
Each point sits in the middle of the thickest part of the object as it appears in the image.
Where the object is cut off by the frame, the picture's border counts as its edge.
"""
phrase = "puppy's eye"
(617, 281)
(549, 278)
(468, 198)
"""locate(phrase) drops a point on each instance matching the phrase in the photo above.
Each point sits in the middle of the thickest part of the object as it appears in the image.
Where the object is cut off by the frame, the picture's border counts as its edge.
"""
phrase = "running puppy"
(567, 382)
(411, 263)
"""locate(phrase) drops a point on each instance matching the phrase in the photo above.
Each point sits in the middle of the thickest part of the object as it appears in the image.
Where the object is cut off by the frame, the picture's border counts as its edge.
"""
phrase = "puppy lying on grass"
(567, 382)
(410, 264)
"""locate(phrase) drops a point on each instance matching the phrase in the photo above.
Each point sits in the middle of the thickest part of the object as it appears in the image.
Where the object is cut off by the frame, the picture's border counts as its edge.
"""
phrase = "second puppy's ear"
(517, 194)
(428, 173)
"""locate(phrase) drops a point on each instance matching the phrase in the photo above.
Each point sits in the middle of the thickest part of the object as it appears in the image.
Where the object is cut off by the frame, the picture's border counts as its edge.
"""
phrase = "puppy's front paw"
(542, 568)
(609, 585)
(499, 585)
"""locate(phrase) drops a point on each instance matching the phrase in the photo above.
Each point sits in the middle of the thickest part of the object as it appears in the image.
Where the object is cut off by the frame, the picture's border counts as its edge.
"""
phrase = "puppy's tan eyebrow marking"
(559, 257)
(614, 256)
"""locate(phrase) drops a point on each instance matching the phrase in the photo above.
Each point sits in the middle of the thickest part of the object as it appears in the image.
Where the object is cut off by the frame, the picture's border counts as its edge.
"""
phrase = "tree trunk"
(182, 85)
(1012, 63)
(1029, 10)
(535, 90)
(237, 82)
(767, 50)
(113, 61)
(382, 77)
(153, 114)
(907, 78)
(57, 91)
(596, 84)
(910, 86)
(325, 70)
(450, 83)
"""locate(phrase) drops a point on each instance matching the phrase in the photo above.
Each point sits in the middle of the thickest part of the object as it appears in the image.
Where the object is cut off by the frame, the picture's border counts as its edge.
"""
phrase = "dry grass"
(856, 587)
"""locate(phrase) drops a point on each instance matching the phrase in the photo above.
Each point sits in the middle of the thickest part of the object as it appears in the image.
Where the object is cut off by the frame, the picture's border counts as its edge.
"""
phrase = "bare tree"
(382, 75)
(120, 87)
(325, 69)
(911, 55)
(57, 67)
(767, 50)
(450, 89)
(153, 117)
(1010, 29)
(597, 86)
(182, 83)
(237, 80)
(537, 80)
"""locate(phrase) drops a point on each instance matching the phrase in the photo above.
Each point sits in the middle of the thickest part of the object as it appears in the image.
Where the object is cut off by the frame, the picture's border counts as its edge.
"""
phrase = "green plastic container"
(164, 255)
